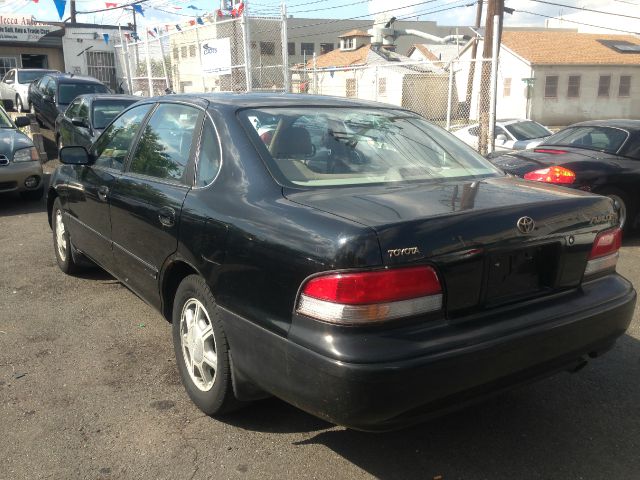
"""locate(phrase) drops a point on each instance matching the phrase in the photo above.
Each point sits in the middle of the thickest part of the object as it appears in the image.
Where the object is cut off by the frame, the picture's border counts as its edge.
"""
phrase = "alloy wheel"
(198, 344)
(61, 241)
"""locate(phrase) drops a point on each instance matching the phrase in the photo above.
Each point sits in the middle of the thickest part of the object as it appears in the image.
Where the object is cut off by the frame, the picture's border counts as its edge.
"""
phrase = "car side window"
(83, 110)
(111, 148)
(208, 156)
(49, 87)
(165, 144)
(9, 77)
(72, 110)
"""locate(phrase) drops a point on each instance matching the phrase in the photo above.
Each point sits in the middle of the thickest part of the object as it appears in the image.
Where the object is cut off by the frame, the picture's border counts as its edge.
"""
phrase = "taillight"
(604, 252)
(552, 151)
(374, 296)
(555, 174)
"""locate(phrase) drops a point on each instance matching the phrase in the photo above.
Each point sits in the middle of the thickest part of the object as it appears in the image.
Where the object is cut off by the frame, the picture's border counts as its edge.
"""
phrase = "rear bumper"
(379, 396)
(13, 176)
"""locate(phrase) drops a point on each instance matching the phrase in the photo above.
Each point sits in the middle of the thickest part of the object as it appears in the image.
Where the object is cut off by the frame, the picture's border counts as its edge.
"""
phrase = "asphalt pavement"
(89, 389)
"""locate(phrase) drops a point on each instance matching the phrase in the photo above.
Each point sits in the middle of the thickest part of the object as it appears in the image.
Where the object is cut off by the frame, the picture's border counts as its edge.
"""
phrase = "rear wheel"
(624, 205)
(201, 348)
(19, 105)
(61, 240)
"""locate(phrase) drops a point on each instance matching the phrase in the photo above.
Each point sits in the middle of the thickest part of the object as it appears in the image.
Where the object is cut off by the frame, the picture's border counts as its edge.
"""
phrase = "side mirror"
(22, 122)
(80, 122)
(9, 82)
(74, 156)
(501, 139)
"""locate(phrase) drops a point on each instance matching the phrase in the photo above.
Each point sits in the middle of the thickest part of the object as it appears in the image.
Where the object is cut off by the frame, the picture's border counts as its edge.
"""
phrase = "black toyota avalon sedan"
(357, 262)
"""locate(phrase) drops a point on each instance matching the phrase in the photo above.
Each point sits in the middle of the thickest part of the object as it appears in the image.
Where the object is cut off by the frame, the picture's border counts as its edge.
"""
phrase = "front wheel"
(19, 105)
(61, 240)
(201, 348)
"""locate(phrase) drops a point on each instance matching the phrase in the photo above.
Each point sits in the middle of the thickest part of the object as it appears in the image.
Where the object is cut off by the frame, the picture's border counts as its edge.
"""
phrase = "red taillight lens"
(552, 151)
(360, 297)
(604, 252)
(606, 243)
(559, 175)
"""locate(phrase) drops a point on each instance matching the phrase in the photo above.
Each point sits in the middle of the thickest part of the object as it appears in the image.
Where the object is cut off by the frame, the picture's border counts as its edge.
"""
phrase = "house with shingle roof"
(357, 69)
(563, 77)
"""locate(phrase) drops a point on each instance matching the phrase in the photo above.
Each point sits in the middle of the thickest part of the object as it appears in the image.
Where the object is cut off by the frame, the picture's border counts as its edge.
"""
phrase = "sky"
(445, 12)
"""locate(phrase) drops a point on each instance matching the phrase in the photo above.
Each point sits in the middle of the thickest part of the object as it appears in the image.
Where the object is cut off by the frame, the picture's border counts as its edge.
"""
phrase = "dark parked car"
(385, 275)
(600, 156)
(87, 116)
(52, 94)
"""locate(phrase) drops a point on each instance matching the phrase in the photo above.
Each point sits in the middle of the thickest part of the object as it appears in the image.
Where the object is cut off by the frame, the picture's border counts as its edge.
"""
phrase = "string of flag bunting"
(209, 17)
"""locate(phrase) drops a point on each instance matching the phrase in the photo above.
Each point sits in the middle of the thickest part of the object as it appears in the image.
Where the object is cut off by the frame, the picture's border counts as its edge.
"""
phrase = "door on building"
(35, 61)
(102, 65)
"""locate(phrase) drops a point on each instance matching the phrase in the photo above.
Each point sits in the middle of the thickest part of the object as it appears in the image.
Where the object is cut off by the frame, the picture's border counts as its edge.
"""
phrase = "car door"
(65, 127)
(49, 109)
(89, 188)
(83, 134)
(146, 201)
(6, 84)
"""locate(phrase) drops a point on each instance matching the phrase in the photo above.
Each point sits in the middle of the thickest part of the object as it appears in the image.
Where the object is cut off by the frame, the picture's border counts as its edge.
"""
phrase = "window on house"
(604, 85)
(6, 64)
(382, 86)
(624, 89)
(306, 48)
(192, 50)
(267, 48)
(551, 86)
(176, 52)
(573, 88)
(291, 48)
(325, 48)
(506, 90)
(349, 43)
(183, 51)
(351, 87)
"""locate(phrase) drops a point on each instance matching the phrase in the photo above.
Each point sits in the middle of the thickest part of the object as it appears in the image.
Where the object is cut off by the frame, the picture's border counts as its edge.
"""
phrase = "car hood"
(12, 140)
(521, 162)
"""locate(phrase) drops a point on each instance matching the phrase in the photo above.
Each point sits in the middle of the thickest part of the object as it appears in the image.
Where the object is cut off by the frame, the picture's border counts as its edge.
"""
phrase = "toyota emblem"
(526, 224)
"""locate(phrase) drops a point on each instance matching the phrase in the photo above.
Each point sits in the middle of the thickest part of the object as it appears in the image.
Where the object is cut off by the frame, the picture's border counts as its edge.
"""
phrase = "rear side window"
(72, 110)
(208, 157)
(68, 91)
(165, 145)
(112, 146)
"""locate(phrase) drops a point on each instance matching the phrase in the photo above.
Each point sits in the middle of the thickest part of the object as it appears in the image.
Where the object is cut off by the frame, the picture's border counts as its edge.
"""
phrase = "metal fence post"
(164, 64)
(375, 83)
(146, 49)
(315, 75)
(450, 96)
(247, 53)
(124, 50)
(491, 143)
(285, 50)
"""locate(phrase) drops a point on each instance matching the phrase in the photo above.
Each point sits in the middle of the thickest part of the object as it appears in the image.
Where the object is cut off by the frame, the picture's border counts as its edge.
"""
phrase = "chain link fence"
(452, 94)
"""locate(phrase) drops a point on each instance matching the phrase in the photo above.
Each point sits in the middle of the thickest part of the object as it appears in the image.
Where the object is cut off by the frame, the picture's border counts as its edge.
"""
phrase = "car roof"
(263, 99)
(71, 78)
(108, 96)
(624, 123)
(45, 70)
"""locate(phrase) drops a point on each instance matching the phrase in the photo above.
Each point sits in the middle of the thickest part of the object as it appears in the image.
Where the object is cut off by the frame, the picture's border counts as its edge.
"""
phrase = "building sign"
(215, 56)
(21, 28)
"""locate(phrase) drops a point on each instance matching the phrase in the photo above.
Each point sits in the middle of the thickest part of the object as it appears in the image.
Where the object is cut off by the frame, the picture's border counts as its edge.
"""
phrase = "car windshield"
(68, 91)
(106, 110)
(320, 147)
(29, 76)
(4, 120)
(527, 130)
(605, 139)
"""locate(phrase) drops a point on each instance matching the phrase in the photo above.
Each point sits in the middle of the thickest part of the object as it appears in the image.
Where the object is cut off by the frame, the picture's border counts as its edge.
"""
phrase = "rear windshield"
(319, 147)
(527, 130)
(31, 76)
(106, 110)
(594, 138)
(68, 91)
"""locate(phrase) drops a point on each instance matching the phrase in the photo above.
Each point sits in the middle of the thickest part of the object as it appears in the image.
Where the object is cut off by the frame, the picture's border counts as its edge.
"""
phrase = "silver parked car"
(20, 166)
(510, 134)
(15, 85)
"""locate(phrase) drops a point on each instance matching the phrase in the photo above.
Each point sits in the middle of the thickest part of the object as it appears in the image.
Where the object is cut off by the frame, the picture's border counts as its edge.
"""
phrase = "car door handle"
(167, 216)
(103, 192)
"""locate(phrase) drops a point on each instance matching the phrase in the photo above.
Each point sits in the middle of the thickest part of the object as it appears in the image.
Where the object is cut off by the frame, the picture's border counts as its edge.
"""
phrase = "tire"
(625, 206)
(19, 105)
(61, 240)
(201, 348)
(32, 195)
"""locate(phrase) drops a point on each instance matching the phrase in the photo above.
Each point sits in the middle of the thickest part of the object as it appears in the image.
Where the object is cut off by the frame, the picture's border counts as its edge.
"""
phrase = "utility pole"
(72, 10)
(494, 7)
(473, 63)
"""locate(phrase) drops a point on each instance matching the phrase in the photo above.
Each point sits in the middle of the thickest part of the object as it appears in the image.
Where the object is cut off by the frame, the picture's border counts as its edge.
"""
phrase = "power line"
(585, 9)
(578, 23)
(331, 8)
(113, 8)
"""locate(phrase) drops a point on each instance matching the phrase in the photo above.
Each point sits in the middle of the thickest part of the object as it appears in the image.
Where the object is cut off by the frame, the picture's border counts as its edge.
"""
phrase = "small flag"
(110, 4)
(128, 37)
(200, 21)
(135, 36)
(106, 38)
(138, 9)
(155, 30)
(151, 33)
(35, 1)
(178, 27)
(60, 5)
(219, 12)
(177, 8)
(193, 8)
(192, 22)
